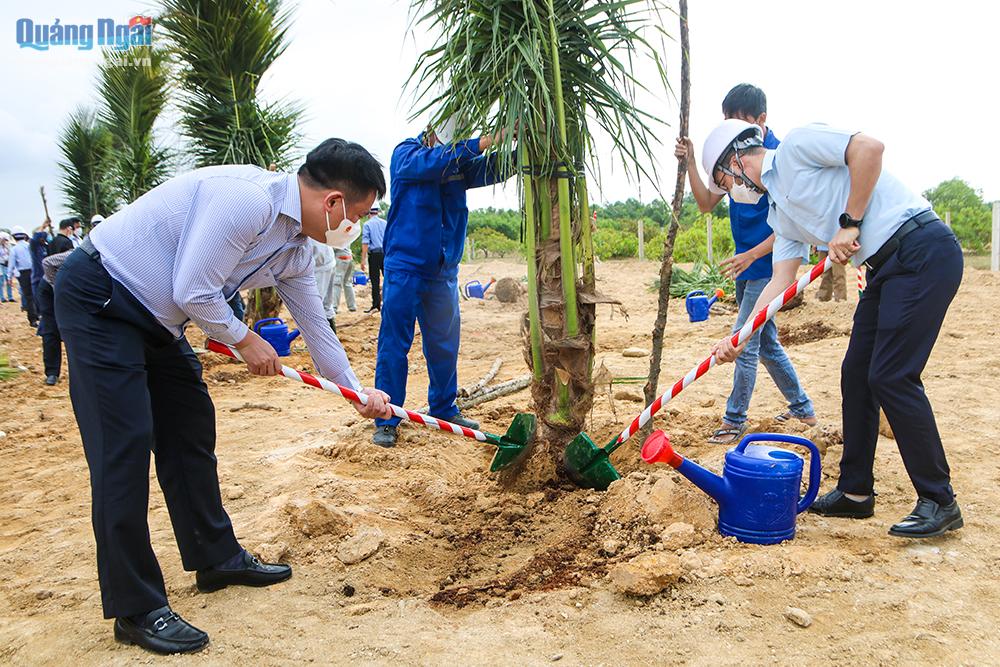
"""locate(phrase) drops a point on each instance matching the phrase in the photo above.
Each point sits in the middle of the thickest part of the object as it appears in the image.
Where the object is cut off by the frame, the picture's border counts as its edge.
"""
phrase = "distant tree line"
(497, 232)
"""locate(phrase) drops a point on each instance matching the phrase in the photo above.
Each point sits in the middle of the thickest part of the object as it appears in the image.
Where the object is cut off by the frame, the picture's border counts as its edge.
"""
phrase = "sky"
(918, 75)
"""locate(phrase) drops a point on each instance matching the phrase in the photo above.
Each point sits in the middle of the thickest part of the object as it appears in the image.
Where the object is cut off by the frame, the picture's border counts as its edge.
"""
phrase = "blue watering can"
(698, 304)
(276, 334)
(475, 290)
(758, 493)
(360, 278)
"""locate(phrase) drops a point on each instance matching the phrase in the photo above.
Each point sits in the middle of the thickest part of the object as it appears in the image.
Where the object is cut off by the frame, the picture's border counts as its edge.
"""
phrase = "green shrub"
(493, 243)
(691, 244)
(612, 244)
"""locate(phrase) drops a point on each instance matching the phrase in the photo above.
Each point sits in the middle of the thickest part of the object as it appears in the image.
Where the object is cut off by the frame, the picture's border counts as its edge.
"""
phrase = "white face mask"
(78, 232)
(345, 233)
(742, 194)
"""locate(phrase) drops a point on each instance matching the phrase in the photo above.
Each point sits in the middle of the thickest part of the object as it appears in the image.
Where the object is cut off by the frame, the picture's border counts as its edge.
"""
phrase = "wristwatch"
(846, 221)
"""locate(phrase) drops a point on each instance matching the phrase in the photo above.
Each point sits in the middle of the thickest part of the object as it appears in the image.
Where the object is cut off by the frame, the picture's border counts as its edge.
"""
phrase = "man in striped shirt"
(123, 299)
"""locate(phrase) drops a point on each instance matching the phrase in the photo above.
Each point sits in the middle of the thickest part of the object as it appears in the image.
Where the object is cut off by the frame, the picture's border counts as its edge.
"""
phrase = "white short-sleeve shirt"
(808, 183)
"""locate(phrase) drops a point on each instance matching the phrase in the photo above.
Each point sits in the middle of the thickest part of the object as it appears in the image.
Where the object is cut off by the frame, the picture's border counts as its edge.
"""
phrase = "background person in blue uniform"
(750, 267)
(424, 242)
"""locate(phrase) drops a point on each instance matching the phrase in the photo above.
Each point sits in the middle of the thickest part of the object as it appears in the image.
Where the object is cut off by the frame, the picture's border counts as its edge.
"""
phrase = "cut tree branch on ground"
(491, 393)
(667, 265)
(465, 392)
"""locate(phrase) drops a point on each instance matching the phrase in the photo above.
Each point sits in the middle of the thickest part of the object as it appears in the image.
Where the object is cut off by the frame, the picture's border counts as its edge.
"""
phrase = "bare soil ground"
(466, 572)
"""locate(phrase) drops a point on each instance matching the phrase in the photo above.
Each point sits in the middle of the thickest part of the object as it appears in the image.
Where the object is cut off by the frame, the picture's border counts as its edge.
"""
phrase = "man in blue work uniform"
(750, 267)
(424, 242)
(827, 187)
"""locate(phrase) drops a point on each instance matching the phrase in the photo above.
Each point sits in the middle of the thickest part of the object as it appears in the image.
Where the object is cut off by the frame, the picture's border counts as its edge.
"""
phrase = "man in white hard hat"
(827, 187)
(19, 267)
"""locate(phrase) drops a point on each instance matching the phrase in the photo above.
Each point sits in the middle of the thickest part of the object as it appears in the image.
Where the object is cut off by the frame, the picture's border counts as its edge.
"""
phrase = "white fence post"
(642, 242)
(995, 249)
(947, 219)
(708, 232)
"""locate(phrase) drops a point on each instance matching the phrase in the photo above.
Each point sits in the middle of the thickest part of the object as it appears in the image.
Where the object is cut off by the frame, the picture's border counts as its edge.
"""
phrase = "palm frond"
(86, 146)
(133, 96)
(224, 47)
(492, 64)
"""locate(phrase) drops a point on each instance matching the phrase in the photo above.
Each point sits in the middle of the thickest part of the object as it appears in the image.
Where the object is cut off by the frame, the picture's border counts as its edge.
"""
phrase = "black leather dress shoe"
(461, 421)
(251, 573)
(928, 519)
(836, 504)
(160, 631)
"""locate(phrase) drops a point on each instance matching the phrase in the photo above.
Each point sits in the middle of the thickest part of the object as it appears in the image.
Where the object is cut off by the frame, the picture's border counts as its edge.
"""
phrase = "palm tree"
(86, 145)
(549, 71)
(133, 96)
(224, 48)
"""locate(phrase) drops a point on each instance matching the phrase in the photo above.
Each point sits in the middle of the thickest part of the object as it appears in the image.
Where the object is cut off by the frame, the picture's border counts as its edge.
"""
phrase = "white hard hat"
(18, 230)
(5, 236)
(96, 219)
(731, 133)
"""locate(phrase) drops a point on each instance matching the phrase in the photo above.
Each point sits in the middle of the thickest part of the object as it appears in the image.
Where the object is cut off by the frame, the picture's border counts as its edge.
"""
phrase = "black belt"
(88, 247)
(880, 256)
(378, 251)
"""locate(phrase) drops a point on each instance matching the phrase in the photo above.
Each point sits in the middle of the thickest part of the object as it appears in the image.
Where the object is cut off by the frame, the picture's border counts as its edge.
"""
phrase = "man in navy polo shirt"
(751, 269)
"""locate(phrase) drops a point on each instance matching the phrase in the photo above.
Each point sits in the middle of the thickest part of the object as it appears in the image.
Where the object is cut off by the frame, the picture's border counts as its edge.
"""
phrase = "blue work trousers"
(408, 298)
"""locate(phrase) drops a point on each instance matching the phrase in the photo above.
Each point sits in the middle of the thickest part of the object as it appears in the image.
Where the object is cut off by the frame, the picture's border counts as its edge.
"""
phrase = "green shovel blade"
(588, 465)
(512, 445)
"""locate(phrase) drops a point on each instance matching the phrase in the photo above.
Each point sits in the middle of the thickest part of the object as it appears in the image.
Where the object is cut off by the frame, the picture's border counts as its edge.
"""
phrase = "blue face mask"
(49, 237)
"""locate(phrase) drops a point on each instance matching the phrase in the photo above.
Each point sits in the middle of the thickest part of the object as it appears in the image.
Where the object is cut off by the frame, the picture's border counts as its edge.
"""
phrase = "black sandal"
(728, 435)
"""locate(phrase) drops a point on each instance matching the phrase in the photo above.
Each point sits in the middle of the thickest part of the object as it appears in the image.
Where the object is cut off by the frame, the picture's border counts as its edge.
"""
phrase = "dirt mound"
(809, 332)
(508, 290)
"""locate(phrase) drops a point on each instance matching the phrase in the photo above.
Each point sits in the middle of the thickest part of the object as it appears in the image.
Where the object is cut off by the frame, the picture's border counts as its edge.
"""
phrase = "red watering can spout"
(657, 449)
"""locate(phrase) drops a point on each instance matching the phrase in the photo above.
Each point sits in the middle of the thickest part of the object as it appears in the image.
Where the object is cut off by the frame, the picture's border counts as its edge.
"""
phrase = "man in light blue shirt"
(19, 267)
(372, 235)
(827, 187)
(123, 298)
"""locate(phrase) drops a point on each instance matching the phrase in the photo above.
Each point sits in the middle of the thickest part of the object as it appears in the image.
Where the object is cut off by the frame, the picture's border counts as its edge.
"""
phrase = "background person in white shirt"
(173, 256)
(827, 187)
(323, 263)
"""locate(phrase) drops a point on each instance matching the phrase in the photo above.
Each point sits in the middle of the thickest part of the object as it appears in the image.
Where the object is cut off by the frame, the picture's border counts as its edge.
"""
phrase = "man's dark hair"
(744, 100)
(346, 166)
(69, 222)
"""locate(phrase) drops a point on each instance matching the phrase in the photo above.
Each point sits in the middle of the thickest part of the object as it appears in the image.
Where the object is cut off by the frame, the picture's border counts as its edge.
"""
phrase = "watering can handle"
(695, 292)
(256, 327)
(814, 461)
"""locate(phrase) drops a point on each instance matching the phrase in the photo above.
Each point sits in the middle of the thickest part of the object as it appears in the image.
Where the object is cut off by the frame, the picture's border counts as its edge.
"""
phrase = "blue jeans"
(764, 345)
(6, 292)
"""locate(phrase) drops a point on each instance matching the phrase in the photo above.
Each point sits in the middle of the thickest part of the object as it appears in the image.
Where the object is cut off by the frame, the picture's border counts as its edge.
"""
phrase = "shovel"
(588, 465)
(510, 447)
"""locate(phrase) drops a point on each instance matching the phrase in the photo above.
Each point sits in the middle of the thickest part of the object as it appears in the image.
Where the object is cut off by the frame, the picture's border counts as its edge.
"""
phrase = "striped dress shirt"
(185, 247)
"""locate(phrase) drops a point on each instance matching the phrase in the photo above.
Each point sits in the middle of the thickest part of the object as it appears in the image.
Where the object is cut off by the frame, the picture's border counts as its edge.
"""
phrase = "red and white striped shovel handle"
(738, 339)
(351, 395)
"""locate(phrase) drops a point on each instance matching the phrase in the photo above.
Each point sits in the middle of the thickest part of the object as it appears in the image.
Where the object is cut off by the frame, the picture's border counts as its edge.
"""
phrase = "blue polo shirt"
(750, 228)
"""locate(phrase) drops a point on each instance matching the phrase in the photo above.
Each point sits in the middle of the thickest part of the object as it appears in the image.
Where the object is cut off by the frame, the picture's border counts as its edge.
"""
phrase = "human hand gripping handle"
(259, 355)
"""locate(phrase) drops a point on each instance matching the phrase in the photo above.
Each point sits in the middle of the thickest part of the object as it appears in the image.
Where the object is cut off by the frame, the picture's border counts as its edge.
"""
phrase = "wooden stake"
(995, 262)
(642, 242)
(709, 223)
(667, 264)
